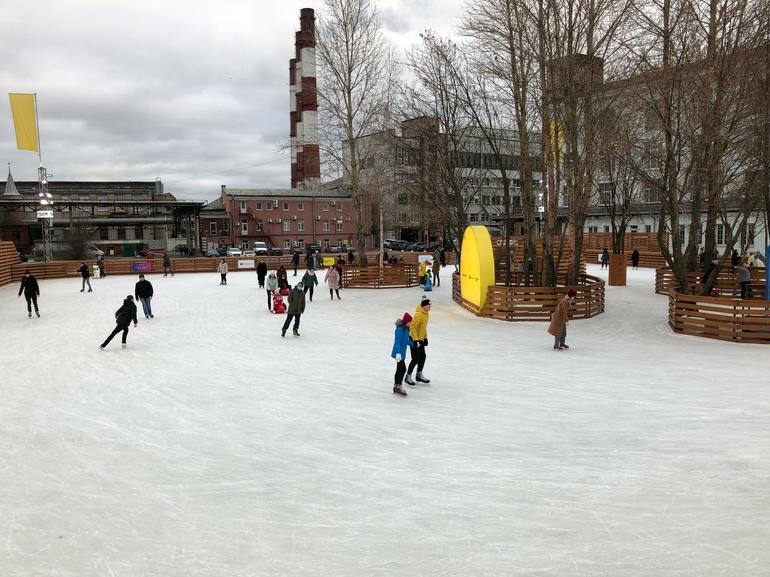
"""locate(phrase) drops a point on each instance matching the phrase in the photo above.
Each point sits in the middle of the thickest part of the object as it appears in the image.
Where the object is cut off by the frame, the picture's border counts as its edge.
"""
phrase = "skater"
(421, 272)
(400, 343)
(167, 265)
(100, 264)
(340, 266)
(123, 317)
(261, 273)
(351, 256)
(31, 291)
(436, 269)
(605, 258)
(222, 269)
(272, 286)
(310, 280)
(295, 261)
(309, 259)
(85, 272)
(418, 332)
(319, 261)
(283, 277)
(635, 258)
(143, 293)
(559, 320)
(332, 279)
(296, 308)
(744, 278)
(428, 286)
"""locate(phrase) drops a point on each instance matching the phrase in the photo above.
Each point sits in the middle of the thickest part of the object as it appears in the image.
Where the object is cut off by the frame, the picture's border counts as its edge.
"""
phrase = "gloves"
(398, 358)
(425, 342)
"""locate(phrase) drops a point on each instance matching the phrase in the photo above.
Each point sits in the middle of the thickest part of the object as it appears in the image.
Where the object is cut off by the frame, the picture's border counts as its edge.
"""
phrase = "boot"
(422, 379)
(399, 391)
(408, 380)
(283, 332)
(37, 313)
(563, 346)
(295, 333)
(30, 314)
(556, 348)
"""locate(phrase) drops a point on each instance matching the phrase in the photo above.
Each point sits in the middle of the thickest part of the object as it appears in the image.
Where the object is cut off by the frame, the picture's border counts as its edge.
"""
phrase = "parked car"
(92, 251)
(275, 251)
(416, 247)
(396, 244)
(234, 252)
(314, 248)
(249, 253)
(260, 247)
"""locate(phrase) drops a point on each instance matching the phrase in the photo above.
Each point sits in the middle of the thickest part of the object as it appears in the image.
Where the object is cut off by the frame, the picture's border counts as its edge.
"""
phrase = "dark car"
(416, 247)
(275, 251)
(314, 248)
(392, 244)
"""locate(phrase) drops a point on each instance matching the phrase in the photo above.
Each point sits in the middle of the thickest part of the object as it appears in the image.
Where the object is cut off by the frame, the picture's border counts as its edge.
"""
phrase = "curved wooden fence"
(726, 319)
(535, 303)
(390, 276)
(725, 284)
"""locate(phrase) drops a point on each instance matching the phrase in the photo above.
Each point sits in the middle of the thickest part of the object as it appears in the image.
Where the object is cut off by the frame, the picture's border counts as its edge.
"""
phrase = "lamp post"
(45, 212)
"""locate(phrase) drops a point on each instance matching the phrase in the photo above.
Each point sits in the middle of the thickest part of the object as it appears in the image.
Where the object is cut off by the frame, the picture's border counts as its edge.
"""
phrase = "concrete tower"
(303, 102)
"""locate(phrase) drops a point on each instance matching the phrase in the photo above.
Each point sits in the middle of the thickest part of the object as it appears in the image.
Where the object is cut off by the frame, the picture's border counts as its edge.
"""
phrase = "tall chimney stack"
(303, 107)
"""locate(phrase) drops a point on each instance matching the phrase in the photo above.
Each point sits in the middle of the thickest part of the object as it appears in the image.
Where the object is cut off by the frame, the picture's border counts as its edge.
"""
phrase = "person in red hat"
(559, 319)
(400, 344)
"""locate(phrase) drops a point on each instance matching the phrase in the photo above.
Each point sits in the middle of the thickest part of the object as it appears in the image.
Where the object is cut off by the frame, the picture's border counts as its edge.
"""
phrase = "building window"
(286, 225)
(286, 206)
(300, 226)
(244, 227)
(634, 228)
(225, 227)
(259, 206)
(606, 228)
(649, 194)
(104, 233)
(325, 206)
(245, 245)
(287, 244)
(720, 234)
(606, 192)
(213, 228)
(139, 232)
(243, 206)
(301, 243)
(484, 217)
(593, 229)
(326, 243)
(326, 226)
(121, 233)
(300, 206)
(339, 227)
(339, 207)
(647, 228)
(259, 227)
(474, 217)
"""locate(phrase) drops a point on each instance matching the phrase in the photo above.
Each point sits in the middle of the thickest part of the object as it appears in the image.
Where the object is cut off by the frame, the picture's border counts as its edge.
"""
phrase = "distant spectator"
(261, 273)
(734, 258)
(167, 265)
(605, 258)
(295, 261)
(744, 278)
(635, 259)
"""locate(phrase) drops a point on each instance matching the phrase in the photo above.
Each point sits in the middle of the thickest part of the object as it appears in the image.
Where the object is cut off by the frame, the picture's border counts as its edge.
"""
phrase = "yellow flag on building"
(25, 121)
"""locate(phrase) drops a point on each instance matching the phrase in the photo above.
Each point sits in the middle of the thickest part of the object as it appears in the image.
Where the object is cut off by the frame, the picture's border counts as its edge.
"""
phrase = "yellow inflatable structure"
(477, 266)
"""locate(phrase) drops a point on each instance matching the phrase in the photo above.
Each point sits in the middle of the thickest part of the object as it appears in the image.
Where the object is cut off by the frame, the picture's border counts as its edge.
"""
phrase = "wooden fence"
(726, 319)
(391, 276)
(9, 256)
(725, 284)
(534, 303)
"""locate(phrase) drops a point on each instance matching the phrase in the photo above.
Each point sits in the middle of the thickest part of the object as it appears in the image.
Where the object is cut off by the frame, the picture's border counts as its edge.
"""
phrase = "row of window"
(298, 244)
(326, 227)
(269, 205)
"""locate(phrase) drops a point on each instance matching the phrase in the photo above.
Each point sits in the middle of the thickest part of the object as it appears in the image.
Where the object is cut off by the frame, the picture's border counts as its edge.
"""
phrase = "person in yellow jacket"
(418, 332)
(421, 273)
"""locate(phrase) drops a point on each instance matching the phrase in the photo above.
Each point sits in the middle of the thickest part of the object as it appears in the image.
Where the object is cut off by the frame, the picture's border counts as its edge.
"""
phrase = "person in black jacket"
(85, 272)
(295, 261)
(143, 293)
(31, 291)
(123, 317)
(635, 259)
(261, 273)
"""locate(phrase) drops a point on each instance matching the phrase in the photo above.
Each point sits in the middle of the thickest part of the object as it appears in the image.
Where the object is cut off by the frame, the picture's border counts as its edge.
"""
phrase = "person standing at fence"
(421, 272)
(310, 280)
(272, 286)
(744, 278)
(559, 320)
(100, 264)
(143, 293)
(167, 265)
(319, 261)
(85, 273)
(123, 317)
(401, 342)
(295, 261)
(635, 259)
(296, 308)
(31, 291)
(222, 269)
(436, 270)
(418, 332)
(261, 273)
(332, 279)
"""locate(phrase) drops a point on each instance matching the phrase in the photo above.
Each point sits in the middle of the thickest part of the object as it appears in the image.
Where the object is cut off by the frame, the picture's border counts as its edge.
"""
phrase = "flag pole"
(37, 126)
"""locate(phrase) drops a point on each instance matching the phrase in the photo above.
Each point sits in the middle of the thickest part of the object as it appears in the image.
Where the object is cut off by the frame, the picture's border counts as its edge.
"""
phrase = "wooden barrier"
(391, 276)
(533, 303)
(726, 283)
(9, 256)
(726, 319)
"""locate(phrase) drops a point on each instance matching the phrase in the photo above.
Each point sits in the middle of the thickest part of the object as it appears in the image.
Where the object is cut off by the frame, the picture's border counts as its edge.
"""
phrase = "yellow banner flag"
(25, 121)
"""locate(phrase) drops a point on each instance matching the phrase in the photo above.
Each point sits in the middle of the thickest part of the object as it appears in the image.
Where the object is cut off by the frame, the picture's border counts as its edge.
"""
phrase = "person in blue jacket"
(401, 343)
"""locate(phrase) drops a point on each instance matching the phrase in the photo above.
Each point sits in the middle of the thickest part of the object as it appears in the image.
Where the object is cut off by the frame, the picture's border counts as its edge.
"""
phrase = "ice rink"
(212, 447)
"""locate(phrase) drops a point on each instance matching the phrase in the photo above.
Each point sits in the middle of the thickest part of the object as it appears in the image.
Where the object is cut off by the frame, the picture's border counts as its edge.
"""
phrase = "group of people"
(411, 333)
(605, 259)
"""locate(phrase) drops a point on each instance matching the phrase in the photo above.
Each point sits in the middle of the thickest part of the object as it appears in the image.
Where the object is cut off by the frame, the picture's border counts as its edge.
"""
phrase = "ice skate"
(37, 313)
(422, 379)
(30, 315)
(563, 347)
(102, 347)
(409, 381)
(295, 333)
(556, 348)
(283, 332)
(399, 391)
(124, 345)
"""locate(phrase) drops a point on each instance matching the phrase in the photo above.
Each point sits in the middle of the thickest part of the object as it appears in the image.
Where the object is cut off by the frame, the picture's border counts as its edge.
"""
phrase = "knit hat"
(572, 293)
(407, 318)
(424, 302)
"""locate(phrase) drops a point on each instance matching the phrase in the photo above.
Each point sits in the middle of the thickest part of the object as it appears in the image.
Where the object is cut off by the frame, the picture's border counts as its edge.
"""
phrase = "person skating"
(100, 264)
(143, 293)
(85, 273)
(272, 286)
(635, 258)
(310, 280)
(31, 291)
(340, 265)
(167, 265)
(123, 317)
(295, 261)
(421, 272)
(261, 273)
(401, 341)
(436, 269)
(605, 258)
(222, 270)
(418, 332)
(319, 261)
(332, 279)
(560, 319)
(282, 276)
(295, 310)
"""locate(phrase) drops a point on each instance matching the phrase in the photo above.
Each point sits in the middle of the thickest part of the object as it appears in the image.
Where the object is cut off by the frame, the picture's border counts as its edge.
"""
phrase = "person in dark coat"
(310, 280)
(351, 256)
(605, 258)
(295, 261)
(340, 265)
(635, 259)
(100, 264)
(85, 273)
(31, 291)
(143, 293)
(735, 258)
(295, 310)
(282, 277)
(167, 265)
(261, 273)
(123, 317)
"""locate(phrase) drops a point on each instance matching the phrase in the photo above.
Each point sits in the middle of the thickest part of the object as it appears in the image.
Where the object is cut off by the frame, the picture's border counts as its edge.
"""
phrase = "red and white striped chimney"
(303, 107)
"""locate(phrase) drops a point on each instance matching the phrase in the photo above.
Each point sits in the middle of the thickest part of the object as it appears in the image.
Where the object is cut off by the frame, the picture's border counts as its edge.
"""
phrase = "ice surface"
(212, 447)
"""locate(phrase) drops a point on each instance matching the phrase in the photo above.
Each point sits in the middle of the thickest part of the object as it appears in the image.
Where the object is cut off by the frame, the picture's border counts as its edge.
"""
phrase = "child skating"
(401, 341)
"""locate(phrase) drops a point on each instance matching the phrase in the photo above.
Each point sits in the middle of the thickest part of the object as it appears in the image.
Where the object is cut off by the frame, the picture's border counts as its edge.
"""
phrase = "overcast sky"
(195, 93)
